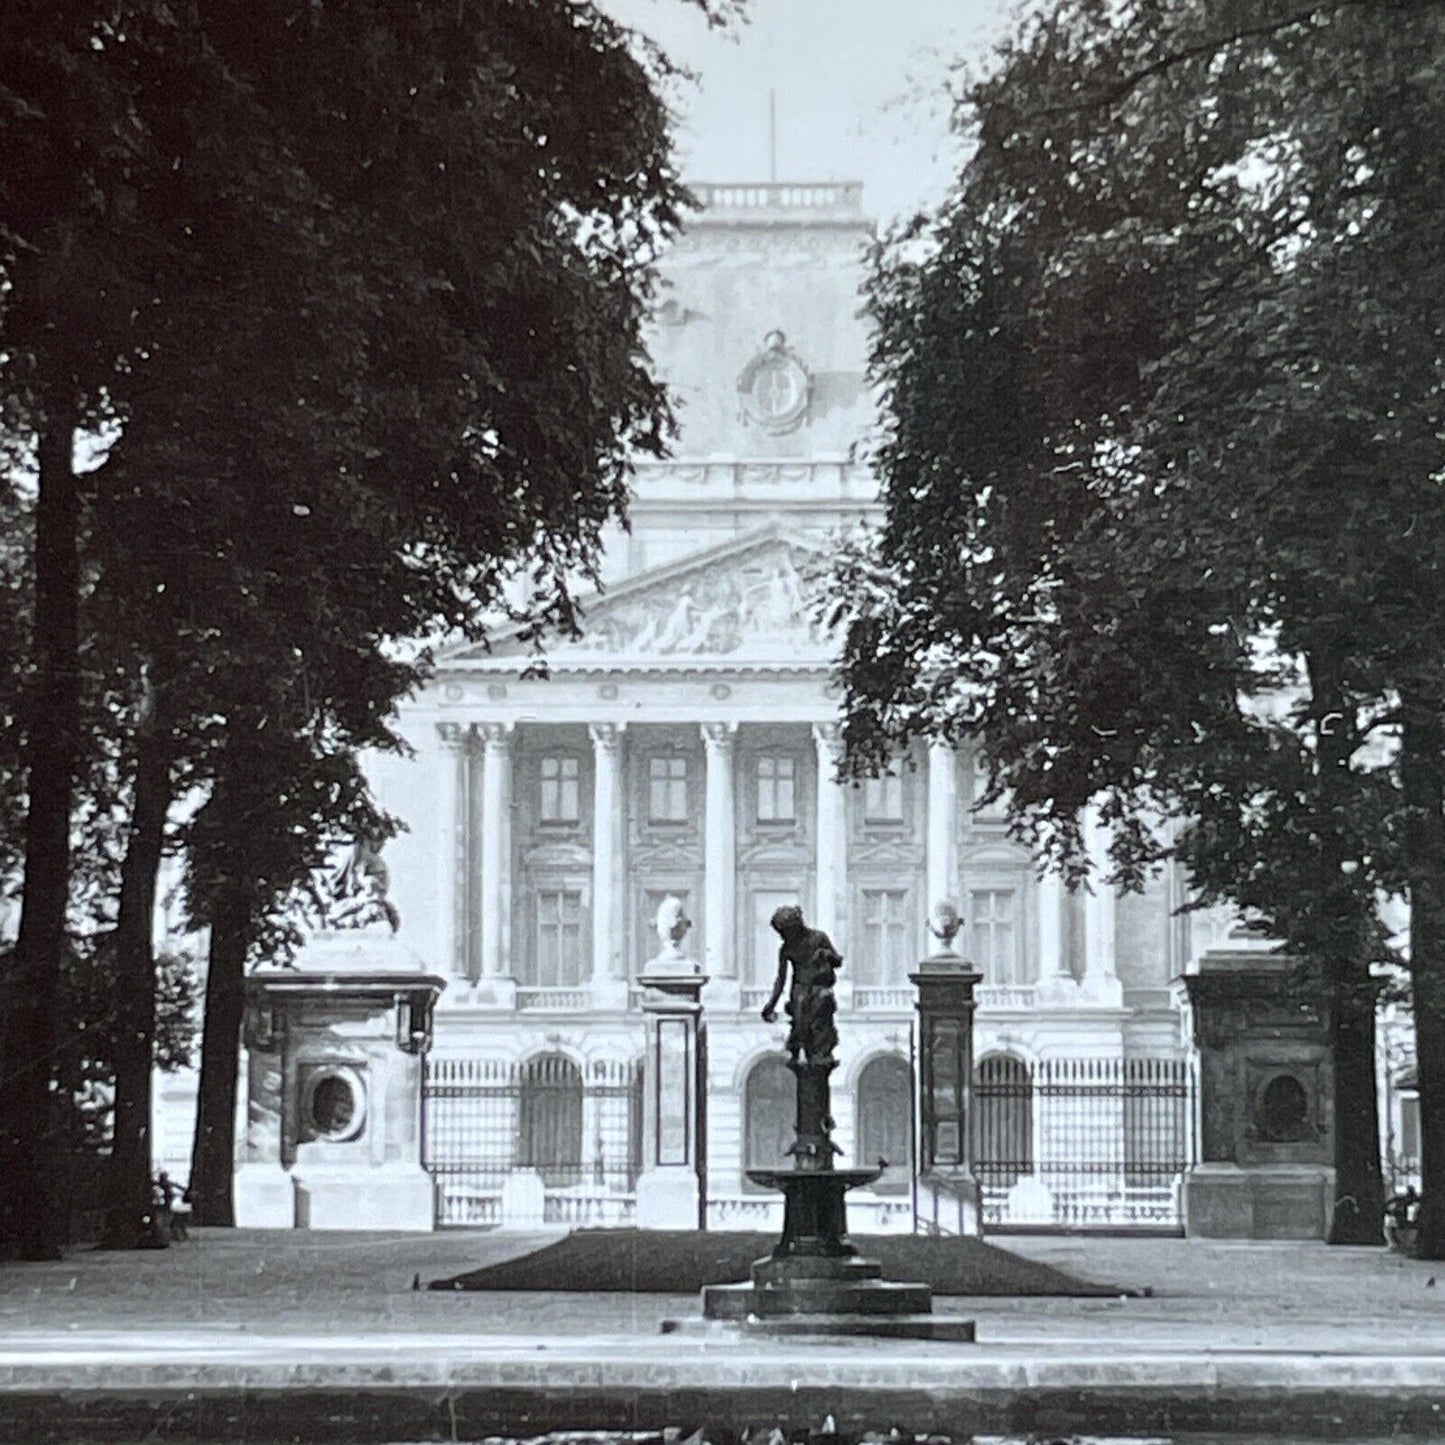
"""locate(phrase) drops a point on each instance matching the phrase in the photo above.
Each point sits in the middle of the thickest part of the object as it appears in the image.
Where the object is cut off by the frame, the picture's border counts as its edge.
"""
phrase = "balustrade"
(781, 195)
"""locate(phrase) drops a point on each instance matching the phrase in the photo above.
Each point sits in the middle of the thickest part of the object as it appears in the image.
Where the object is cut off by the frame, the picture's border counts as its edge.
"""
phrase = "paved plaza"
(1203, 1295)
(1232, 1334)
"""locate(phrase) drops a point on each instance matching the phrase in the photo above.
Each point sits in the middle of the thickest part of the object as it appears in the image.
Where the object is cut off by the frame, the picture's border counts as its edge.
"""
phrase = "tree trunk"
(130, 1200)
(1422, 771)
(1359, 1209)
(29, 1222)
(214, 1149)
(1358, 1216)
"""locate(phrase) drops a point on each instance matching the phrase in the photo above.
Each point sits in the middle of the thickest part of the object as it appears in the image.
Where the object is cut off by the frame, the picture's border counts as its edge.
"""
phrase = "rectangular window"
(559, 938)
(883, 799)
(667, 790)
(993, 934)
(561, 796)
(777, 797)
(886, 953)
(765, 942)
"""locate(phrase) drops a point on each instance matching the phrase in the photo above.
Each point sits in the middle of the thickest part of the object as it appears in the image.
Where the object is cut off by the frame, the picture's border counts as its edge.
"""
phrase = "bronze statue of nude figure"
(814, 961)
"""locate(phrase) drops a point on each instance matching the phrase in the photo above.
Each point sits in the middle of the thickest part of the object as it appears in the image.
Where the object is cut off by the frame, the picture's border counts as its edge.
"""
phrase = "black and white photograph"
(722, 722)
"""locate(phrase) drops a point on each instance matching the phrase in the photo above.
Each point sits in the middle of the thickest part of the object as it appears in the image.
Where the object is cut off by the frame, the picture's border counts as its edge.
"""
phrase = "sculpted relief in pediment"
(757, 604)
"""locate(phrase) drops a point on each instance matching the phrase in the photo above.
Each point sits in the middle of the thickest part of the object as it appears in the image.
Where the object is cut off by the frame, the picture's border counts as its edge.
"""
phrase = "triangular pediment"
(749, 599)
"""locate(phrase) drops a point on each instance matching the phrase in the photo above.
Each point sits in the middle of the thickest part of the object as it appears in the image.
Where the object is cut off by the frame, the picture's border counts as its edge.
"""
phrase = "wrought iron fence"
(576, 1128)
(1083, 1142)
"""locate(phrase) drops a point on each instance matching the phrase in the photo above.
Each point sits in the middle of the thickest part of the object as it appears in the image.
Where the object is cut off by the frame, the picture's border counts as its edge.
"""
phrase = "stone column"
(942, 849)
(832, 843)
(1100, 983)
(454, 860)
(494, 987)
(720, 868)
(609, 972)
(1055, 982)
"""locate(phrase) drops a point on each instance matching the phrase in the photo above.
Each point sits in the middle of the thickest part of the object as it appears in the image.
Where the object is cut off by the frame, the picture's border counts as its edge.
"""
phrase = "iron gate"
(1079, 1143)
(578, 1127)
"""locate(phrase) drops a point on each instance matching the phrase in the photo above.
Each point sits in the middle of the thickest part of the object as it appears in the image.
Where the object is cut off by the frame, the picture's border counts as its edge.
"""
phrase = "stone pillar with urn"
(671, 1191)
(947, 1191)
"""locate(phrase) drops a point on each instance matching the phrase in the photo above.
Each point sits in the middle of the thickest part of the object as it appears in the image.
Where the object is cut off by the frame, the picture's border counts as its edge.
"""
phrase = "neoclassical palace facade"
(686, 746)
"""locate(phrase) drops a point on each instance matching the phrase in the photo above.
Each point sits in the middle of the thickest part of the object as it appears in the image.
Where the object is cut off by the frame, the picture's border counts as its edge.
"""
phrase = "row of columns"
(477, 816)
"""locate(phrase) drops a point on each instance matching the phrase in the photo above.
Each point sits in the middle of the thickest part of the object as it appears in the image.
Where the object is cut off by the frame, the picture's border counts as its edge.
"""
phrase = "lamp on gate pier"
(414, 1020)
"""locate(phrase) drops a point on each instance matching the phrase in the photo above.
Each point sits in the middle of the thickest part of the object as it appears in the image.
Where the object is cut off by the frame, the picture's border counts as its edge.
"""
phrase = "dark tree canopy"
(1162, 459)
(359, 290)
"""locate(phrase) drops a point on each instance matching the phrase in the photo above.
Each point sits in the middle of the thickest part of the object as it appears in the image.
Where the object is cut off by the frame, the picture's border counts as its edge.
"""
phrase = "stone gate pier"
(334, 1089)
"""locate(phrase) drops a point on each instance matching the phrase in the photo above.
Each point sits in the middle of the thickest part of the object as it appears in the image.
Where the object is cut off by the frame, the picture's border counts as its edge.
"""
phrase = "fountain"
(815, 1281)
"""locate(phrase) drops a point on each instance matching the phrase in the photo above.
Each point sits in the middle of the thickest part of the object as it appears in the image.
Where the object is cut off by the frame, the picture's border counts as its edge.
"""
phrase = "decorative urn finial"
(672, 925)
(944, 923)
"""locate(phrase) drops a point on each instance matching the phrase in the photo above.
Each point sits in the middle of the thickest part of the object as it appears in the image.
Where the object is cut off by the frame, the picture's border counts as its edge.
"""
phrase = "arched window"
(885, 1121)
(769, 1114)
(1003, 1105)
(550, 1118)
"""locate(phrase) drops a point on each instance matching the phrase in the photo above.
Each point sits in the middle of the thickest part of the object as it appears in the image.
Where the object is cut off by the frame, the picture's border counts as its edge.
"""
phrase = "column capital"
(828, 739)
(495, 735)
(606, 736)
(720, 737)
(455, 736)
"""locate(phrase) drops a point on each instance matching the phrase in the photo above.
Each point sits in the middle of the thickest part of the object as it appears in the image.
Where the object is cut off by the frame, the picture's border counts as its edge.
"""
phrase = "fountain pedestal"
(815, 1281)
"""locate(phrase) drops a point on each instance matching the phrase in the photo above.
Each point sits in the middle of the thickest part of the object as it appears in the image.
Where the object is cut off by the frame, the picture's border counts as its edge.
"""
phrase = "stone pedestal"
(948, 1193)
(335, 1052)
(264, 1194)
(1266, 1144)
(394, 1197)
(1266, 1201)
(669, 1190)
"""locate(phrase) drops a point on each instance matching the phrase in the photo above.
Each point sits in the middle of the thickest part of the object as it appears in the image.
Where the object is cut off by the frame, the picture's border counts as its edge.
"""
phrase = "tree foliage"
(1162, 463)
(361, 290)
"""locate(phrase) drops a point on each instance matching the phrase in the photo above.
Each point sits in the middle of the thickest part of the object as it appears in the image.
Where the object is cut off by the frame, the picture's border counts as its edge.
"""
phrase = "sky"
(860, 89)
